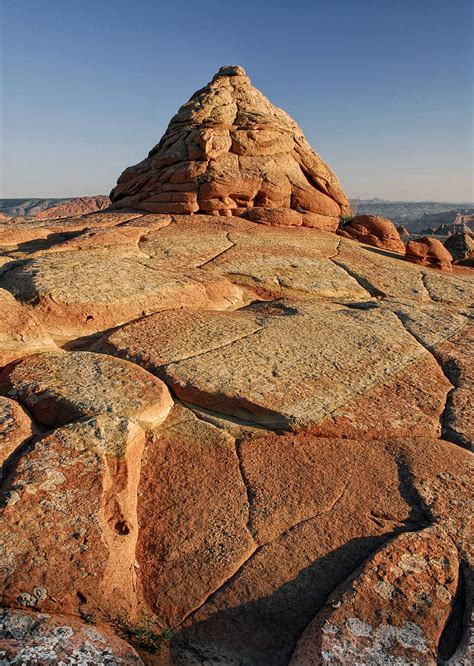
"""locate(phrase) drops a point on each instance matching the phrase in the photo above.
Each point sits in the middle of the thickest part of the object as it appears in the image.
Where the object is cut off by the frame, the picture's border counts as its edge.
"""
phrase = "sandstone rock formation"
(428, 252)
(373, 230)
(360, 622)
(461, 247)
(251, 440)
(78, 206)
(229, 151)
(31, 638)
(403, 231)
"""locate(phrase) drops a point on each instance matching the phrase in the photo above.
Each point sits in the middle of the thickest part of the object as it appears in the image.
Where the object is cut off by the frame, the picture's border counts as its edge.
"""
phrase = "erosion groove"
(447, 432)
(362, 281)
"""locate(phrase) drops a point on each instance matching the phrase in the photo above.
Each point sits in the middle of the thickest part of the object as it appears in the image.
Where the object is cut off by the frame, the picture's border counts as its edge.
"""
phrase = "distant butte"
(229, 151)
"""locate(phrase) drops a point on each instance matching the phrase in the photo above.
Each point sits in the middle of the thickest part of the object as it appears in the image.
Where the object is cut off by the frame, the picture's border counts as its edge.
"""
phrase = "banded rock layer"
(229, 151)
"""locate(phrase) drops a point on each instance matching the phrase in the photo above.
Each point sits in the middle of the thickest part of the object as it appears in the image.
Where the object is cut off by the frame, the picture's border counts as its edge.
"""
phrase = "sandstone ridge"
(229, 151)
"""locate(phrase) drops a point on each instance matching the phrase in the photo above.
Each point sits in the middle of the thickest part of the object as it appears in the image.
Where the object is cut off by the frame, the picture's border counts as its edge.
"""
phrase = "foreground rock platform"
(252, 439)
(229, 435)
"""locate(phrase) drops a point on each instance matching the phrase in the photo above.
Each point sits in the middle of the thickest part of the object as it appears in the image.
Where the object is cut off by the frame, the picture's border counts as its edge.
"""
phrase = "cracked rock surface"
(231, 438)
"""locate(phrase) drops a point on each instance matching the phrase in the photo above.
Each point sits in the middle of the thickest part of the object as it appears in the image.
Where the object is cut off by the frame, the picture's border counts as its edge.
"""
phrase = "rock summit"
(229, 151)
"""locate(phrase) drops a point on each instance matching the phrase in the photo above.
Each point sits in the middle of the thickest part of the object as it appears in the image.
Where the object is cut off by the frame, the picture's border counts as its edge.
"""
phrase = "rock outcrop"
(361, 622)
(403, 231)
(27, 637)
(229, 151)
(428, 252)
(236, 443)
(461, 247)
(78, 206)
(373, 230)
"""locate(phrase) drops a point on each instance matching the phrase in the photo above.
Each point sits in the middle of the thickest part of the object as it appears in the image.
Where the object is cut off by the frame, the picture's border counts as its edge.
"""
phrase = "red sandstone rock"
(374, 230)
(68, 527)
(78, 206)
(15, 427)
(229, 151)
(21, 333)
(60, 387)
(393, 611)
(429, 252)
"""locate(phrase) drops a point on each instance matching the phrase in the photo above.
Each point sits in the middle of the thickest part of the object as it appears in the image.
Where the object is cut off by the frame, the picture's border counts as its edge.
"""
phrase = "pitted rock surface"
(39, 638)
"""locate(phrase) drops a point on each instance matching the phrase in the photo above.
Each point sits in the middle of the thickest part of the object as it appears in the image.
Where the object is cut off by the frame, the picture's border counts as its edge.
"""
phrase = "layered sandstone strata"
(229, 151)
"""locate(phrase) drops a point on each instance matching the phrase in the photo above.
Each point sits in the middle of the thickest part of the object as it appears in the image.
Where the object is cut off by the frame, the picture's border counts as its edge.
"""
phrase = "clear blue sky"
(382, 88)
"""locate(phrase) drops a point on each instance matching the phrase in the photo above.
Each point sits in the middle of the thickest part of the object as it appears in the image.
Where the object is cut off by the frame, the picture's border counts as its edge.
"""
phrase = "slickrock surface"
(61, 387)
(15, 427)
(252, 439)
(32, 638)
(229, 151)
(21, 333)
(69, 523)
(374, 230)
(429, 252)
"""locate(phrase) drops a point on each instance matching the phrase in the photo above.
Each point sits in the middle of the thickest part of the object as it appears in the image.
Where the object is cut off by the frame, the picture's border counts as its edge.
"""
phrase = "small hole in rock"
(121, 528)
(81, 597)
(89, 318)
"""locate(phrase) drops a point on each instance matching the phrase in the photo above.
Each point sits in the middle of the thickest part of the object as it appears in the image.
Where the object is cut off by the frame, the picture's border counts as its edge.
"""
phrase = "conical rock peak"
(230, 151)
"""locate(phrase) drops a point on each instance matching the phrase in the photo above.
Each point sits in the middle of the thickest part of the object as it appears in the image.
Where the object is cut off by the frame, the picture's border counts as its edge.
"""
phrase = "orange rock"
(68, 528)
(234, 151)
(393, 610)
(192, 539)
(429, 252)
(78, 206)
(374, 230)
(21, 333)
(60, 387)
(15, 427)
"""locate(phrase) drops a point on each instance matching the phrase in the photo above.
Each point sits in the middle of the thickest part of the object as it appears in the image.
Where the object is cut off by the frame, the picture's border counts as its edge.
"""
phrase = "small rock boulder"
(393, 611)
(461, 247)
(429, 252)
(403, 231)
(374, 230)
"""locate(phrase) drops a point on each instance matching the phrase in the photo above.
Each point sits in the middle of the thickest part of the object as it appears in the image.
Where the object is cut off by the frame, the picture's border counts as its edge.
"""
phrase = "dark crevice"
(456, 625)
(248, 488)
(420, 515)
(362, 281)
(451, 372)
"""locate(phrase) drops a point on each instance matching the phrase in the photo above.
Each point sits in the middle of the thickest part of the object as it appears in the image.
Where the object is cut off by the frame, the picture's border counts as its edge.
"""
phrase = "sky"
(383, 89)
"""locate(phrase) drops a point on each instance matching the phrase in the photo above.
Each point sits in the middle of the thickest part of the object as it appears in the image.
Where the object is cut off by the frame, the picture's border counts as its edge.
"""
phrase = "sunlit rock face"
(230, 151)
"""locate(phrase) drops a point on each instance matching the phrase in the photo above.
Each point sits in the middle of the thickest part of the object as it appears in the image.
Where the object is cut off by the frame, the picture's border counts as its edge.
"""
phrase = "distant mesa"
(51, 208)
(229, 151)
